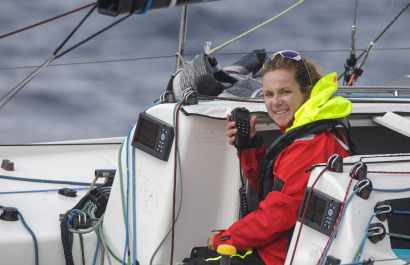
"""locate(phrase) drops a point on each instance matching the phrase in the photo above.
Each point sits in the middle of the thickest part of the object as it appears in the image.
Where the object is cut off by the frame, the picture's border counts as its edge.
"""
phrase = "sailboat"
(150, 197)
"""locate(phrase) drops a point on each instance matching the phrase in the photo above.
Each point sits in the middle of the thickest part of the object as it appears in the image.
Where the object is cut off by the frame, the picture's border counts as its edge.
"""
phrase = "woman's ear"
(308, 92)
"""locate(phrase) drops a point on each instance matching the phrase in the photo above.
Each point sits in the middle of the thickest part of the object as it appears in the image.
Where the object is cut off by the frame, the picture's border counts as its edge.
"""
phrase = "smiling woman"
(282, 96)
(300, 102)
(287, 81)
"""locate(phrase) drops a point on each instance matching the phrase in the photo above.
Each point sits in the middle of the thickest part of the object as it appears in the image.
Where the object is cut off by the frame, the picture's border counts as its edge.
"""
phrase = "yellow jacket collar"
(322, 105)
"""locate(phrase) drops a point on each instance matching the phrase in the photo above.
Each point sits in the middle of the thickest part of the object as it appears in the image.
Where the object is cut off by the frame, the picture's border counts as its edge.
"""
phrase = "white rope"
(255, 28)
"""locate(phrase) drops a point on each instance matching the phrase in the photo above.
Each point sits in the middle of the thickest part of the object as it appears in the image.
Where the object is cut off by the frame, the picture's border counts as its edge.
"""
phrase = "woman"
(300, 102)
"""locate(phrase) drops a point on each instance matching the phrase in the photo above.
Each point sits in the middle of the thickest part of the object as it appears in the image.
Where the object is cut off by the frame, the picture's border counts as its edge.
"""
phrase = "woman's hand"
(232, 131)
(210, 241)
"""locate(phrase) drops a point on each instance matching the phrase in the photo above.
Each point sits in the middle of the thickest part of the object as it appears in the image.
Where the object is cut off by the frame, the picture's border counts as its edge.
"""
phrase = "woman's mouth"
(280, 112)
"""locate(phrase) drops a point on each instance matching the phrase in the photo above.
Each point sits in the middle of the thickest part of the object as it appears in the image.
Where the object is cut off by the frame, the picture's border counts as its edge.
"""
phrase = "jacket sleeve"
(278, 212)
(250, 164)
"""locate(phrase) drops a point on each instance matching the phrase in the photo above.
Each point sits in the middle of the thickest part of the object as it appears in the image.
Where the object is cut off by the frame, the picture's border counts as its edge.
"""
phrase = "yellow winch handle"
(227, 250)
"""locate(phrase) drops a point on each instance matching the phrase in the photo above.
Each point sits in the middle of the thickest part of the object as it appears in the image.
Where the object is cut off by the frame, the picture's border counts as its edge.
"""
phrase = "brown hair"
(300, 69)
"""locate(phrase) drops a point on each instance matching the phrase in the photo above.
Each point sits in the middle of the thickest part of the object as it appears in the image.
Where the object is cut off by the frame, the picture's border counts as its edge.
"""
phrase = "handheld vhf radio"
(242, 117)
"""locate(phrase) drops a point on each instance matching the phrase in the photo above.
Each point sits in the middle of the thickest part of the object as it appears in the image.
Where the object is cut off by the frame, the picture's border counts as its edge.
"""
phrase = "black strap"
(266, 176)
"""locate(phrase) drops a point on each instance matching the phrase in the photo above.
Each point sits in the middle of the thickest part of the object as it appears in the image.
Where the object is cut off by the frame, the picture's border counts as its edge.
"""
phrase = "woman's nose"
(276, 100)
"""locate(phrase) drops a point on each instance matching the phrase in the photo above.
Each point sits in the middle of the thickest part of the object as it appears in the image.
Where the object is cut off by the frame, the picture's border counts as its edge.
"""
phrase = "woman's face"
(282, 95)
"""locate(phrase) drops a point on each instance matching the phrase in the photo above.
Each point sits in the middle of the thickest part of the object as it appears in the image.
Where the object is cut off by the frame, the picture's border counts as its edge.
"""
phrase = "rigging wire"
(186, 54)
(55, 55)
(359, 70)
(45, 21)
(351, 62)
(378, 35)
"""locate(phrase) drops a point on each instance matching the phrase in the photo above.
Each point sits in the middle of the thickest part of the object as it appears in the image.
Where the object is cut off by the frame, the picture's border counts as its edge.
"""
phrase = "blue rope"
(337, 226)
(392, 190)
(96, 251)
(147, 6)
(33, 191)
(134, 211)
(367, 232)
(401, 212)
(70, 219)
(48, 181)
(32, 235)
(127, 205)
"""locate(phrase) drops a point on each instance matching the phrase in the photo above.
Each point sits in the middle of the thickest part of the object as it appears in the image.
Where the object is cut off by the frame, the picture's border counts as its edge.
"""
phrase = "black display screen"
(147, 134)
(242, 115)
(315, 210)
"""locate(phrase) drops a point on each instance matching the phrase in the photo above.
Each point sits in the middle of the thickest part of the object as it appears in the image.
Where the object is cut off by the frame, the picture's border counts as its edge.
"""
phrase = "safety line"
(186, 54)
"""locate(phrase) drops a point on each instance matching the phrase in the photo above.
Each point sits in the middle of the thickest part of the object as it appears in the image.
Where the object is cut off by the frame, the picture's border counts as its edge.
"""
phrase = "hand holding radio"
(240, 128)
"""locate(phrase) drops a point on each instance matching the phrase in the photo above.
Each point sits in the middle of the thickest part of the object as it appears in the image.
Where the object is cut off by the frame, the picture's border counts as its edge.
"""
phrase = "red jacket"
(266, 229)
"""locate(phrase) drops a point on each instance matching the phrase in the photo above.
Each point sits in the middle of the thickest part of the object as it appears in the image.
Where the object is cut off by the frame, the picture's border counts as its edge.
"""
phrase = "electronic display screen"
(315, 210)
(242, 115)
(147, 134)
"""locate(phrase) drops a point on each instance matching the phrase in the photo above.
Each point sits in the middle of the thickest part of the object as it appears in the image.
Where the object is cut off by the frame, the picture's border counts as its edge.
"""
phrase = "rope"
(32, 191)
(255, 28)
(359, 254)
(96, 251)
(398, 236)
(337, 226)
(175, 179)
(338, 217)
(304, 213)
(178, 158)
(47, 181)
(391, 190)
(82, 249)
(388, 172)
(45, 21)
(89, 230)
(32, 235)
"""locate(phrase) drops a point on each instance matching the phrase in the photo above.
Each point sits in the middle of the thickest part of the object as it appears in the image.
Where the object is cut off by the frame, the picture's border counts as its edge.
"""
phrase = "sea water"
(98, 89)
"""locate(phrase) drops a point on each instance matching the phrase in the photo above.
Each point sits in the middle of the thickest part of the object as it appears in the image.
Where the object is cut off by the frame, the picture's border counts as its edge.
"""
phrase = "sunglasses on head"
(290, 55)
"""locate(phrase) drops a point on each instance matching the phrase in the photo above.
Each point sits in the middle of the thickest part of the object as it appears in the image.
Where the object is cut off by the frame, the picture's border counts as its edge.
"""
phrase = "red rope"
(175, 182)
(388, 172)
(304, 213)
(338, 217)
(45, 21)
